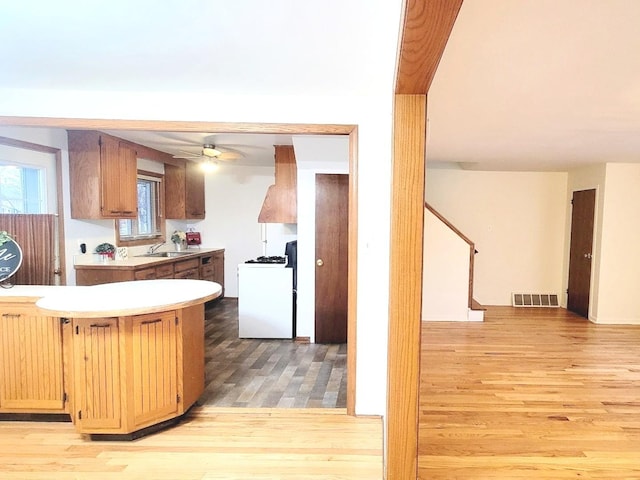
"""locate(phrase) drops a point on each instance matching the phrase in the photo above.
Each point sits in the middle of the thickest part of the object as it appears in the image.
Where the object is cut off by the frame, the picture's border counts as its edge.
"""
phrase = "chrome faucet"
(155, 247)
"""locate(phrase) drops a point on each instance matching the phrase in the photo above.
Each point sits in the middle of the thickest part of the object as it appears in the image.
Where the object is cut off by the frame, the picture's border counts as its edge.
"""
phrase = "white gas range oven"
(265, 298)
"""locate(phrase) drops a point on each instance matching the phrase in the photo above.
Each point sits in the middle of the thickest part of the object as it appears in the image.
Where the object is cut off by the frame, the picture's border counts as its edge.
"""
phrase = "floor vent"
(535, 300)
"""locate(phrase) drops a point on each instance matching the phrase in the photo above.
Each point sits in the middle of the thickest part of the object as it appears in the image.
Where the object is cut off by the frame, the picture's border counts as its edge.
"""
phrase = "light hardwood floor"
(529, 393)
(214, 443)
(224, 443)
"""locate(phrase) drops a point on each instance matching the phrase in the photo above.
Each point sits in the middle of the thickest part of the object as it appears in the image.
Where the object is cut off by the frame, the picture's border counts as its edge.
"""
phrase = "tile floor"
(268, 373)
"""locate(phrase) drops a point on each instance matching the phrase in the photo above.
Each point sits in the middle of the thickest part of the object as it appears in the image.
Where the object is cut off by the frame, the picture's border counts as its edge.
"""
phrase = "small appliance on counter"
(193, 238)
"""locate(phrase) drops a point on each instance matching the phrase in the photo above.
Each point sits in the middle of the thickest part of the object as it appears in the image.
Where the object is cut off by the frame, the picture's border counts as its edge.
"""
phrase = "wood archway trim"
(255, 128)
(425, 30)
(426, 27)
(180, 126)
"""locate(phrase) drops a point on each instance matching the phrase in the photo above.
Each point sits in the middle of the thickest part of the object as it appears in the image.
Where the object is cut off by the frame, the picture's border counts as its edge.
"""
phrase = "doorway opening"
(250, 128)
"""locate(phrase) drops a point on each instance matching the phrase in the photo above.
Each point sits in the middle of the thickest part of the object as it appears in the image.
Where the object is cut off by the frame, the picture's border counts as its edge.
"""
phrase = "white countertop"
(27, 292)
(122, 298)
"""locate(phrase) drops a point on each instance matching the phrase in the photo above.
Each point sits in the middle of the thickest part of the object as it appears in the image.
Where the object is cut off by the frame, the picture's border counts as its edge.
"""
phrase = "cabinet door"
(154, 367)
(31, 365)
(194, 189)
(118, 179)
(128, 180)
(207, 272)
(110, 177)
(96, 371)
(174, 181)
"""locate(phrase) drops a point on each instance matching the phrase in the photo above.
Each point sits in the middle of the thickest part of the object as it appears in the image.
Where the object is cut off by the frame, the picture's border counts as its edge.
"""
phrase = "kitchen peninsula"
(119, 358)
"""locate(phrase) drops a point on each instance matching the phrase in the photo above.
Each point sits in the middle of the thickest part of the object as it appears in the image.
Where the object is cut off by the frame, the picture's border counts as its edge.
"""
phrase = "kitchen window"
(150, 222)
(22, 189)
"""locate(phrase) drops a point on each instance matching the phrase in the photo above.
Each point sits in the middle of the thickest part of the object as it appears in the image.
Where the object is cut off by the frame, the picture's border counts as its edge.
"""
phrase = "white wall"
(517, 222)
(313, 155)
(445, 278)
(372, 114)
(619, 275)
(234, 196)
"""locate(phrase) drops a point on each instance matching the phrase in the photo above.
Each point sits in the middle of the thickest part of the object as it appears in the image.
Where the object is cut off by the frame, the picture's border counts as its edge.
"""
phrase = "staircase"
(448, 272)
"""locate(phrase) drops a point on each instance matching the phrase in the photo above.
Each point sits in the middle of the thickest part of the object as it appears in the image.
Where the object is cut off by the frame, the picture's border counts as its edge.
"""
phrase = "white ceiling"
(231, 46)
(523, 84)
(538, 85)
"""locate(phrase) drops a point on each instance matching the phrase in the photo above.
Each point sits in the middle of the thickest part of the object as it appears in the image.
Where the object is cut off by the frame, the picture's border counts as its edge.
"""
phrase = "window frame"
(160, 219)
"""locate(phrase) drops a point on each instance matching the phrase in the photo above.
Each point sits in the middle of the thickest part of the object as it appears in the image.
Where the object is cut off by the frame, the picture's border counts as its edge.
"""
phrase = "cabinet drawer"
(191, 273)
(145, 274)
(207, 270)
(183, 265)
(164, 271)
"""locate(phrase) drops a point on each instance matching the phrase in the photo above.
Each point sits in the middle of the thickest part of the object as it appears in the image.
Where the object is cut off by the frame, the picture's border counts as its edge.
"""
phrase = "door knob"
(587, 255)
(319, 262)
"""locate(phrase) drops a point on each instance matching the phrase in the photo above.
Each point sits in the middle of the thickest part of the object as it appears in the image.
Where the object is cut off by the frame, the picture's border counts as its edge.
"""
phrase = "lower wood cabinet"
(187, 269)
(134, 372)
(212, 268)
(113, 375)
(199, 266)
(154, 367)
(96, 373)
(32, 376)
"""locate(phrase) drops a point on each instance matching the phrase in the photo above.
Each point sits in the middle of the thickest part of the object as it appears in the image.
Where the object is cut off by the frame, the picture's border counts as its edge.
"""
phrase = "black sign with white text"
(10, 256)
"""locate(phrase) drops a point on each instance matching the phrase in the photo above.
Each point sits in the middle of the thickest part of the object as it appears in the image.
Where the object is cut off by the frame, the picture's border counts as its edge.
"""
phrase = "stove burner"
(275, 259)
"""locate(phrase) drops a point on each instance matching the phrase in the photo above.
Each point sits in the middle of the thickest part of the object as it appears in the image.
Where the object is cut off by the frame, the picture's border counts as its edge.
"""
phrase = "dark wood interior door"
(580, 255)
(332, 246)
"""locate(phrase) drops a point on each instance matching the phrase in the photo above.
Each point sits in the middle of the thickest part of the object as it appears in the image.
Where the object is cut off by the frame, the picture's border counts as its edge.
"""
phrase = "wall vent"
(534, 300)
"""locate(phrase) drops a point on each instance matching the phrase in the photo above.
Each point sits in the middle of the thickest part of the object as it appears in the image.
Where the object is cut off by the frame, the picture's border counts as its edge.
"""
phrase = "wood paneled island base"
(118, 374)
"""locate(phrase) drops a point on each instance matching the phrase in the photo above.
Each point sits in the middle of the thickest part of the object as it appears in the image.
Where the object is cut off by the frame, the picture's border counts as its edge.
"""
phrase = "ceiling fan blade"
(229, 146)
(229, 156)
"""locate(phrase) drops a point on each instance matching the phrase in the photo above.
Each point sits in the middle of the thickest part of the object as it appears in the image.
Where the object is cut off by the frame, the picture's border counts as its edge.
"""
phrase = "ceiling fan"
(211, 152)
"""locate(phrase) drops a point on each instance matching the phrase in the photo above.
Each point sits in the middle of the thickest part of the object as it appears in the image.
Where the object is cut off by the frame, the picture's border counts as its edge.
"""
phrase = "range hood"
(280, 204)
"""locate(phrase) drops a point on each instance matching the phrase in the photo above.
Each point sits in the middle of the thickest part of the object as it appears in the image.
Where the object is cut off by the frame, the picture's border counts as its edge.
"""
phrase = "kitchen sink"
(165, 254)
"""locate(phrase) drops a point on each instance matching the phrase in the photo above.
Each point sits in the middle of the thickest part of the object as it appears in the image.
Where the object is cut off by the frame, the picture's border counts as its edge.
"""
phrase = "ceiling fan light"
(209, 165)
(209, 150)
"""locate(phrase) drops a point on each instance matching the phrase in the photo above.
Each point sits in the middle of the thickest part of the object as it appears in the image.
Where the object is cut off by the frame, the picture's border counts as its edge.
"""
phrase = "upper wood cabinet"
(184, 191)
(103, 176)
(280, 204)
